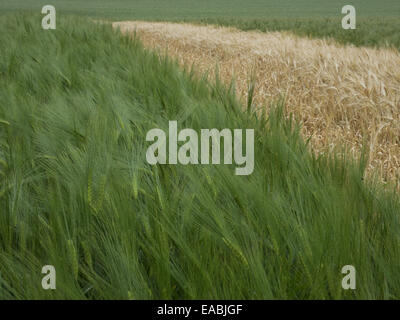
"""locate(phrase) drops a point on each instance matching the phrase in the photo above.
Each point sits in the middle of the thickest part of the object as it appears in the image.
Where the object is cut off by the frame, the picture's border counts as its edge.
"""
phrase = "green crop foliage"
(378, 22)
(76, 191)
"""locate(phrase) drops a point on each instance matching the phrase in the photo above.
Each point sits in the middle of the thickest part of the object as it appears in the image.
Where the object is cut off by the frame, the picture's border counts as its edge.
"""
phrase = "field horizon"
(209, 9)
(378, 24)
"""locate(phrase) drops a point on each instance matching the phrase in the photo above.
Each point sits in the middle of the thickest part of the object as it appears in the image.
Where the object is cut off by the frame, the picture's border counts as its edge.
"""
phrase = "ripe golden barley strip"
(341, 94)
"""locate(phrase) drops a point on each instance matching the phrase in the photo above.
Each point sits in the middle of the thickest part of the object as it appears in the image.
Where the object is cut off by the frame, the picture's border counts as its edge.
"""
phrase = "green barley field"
(76, 191)
(378, 21)
(198, 9)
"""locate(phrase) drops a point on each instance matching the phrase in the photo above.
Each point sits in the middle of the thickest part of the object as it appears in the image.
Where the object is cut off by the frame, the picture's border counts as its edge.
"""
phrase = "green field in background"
(378, 22)
(198, 9)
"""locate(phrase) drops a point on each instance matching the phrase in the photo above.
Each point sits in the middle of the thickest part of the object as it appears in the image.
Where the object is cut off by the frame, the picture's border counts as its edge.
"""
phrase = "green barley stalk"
(73, 258)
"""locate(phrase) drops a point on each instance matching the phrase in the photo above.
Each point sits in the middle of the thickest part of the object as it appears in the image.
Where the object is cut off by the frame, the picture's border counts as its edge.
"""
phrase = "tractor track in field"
(342, 95)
